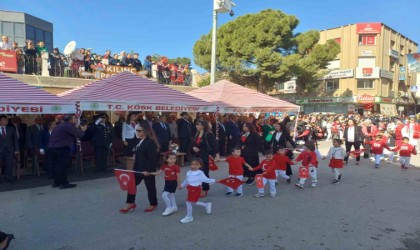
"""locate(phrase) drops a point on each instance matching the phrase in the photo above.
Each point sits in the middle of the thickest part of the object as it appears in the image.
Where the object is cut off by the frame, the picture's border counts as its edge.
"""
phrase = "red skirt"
(336, 163)
(193, 193)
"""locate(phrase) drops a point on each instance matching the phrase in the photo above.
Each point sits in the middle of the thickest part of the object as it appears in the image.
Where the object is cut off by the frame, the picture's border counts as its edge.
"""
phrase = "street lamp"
(221, 6)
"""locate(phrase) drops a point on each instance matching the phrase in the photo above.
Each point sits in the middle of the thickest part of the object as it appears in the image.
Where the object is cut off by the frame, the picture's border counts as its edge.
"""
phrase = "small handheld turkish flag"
(127, 180)
(212, 164)
(303, 172)
(231, 182)
(259, 181)
(356, 153)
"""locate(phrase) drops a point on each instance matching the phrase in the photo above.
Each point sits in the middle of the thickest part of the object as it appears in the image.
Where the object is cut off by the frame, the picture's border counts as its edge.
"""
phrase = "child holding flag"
(236, 163)
(336, 155)
(281, 160)
(268, 167)
(309, 164)
(195, 177)
(406, 150)
(171, 183)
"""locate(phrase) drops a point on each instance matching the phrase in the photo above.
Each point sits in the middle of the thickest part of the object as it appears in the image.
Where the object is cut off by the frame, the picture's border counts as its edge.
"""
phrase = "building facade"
(20, 27)
(369, 74)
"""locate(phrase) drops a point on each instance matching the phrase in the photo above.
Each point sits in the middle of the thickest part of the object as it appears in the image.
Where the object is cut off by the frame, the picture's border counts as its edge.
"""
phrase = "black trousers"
(7, 158)
(61, 159)
(222, 146)
(48, 166)
(101, 157)
(356, 146)
(3, 236)
(150, 183)
(232, 143)
(131, 144)
(184, 146)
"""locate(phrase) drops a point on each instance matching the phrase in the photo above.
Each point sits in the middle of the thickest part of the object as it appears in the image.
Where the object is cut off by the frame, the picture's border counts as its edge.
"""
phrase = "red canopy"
(17, 97)
(126, 91)
(233, 98)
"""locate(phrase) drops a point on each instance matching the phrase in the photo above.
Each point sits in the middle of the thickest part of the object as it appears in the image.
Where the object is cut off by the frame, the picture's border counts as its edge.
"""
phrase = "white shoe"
(167, 211)
(186, 219)
(272, 195)
(208, 208)
(174, 209)
(313, 185)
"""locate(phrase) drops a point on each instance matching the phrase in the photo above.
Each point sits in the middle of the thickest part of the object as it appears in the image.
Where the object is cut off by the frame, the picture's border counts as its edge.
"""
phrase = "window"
(365, 84)
(8, 29)
(332, 85)
(39, 35)
(402, 50)
(48, 37)
(19, 30)
(393, 45)
(30, 32)
(367, 39)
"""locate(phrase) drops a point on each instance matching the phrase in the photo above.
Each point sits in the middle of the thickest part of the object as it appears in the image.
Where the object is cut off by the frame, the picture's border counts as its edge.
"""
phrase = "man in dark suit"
(9, 146)
(33, 141)
(221, 135)
(163, 133)
(102, 133)
(20, 129)
(233, 132)
(185, 133)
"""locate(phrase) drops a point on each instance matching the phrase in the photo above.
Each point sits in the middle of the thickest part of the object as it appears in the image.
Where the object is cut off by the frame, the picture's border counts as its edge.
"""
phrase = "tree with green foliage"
(261, 49)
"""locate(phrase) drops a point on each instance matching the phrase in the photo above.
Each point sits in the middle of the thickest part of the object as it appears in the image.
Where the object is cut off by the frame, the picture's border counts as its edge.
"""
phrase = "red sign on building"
(8, 61)
(366, 99)
(368, 28)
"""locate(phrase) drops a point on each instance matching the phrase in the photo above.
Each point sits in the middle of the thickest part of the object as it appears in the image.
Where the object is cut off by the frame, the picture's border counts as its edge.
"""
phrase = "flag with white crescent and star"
(127, 180)
(231, 182)
(212, 164)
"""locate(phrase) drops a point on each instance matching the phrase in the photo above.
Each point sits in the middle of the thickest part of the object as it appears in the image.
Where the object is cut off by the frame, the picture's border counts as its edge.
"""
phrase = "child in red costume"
(406, 150)
(281, 160)
(309, 164)
(236, 163)
(377, 148)
(268, 167)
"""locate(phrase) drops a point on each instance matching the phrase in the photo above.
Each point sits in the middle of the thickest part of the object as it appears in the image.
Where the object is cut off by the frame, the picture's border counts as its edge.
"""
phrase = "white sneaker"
(299, 185)
(174, 209)
(313, 185)
(272, 195)
(186, 219)
(208, 208)
(258, 195)
(167, 211)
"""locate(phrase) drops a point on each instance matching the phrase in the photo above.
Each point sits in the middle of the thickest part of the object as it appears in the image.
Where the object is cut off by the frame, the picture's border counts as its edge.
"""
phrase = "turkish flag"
(231, 182)
(127, 180)
(303, 172)
(212, 164)
(259, 181)
(356, 153)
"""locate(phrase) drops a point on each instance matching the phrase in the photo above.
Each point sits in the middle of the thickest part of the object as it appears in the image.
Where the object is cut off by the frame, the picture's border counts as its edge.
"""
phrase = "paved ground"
(370, 209)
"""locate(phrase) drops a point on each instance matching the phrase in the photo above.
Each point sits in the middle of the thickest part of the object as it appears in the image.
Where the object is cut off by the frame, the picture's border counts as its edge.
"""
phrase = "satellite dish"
(70, 47)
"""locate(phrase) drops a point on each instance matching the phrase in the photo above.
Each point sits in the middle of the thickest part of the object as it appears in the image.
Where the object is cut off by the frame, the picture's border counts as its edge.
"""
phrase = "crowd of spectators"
(84, 61)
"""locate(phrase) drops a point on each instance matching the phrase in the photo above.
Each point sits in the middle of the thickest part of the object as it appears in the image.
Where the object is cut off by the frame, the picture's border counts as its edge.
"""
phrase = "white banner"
(36, 109)
(144, 107)
(85, 106)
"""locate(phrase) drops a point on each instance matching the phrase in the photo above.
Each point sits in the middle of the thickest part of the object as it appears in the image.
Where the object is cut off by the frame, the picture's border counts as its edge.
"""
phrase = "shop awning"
(17, 97)
(129, 92)
(233, 98)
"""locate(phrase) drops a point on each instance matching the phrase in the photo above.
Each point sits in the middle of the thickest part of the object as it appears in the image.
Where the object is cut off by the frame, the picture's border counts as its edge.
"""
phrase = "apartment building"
(369, 75)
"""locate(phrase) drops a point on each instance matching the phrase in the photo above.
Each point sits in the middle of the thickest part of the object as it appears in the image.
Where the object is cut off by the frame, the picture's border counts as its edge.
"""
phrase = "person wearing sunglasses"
(146, 161)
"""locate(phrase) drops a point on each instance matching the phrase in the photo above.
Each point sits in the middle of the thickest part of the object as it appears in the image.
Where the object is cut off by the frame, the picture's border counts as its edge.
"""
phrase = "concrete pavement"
(369, 209)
